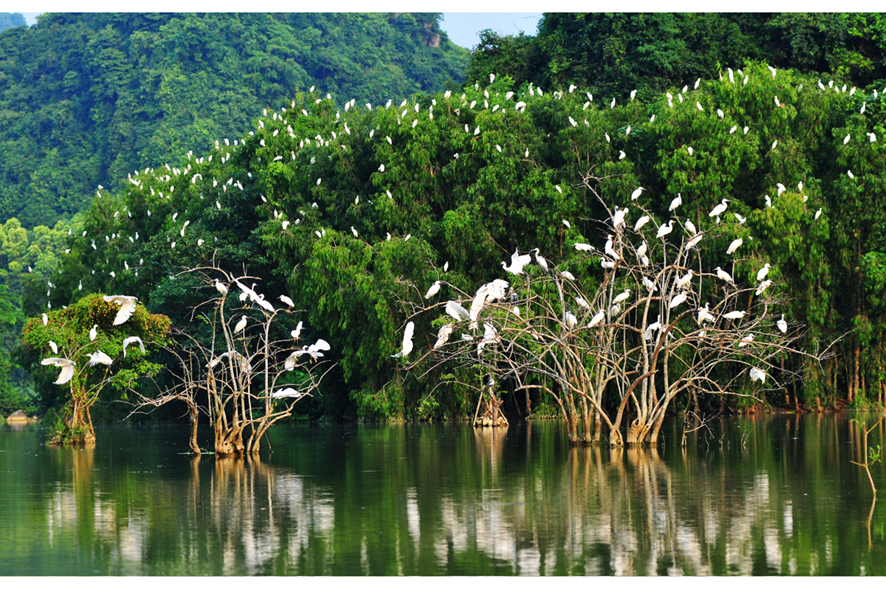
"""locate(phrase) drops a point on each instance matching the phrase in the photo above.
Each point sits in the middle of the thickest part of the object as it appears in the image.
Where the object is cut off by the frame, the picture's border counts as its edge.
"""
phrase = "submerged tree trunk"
(76, 426)
(192, 411)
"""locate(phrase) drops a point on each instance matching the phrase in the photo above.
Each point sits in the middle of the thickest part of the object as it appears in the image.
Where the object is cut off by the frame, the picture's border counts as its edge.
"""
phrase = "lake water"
(764, 495)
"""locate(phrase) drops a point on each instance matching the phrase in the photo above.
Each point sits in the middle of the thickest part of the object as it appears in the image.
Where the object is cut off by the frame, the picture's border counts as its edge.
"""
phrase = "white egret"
(647, 335)
(704, 314)
(723, 275)
(583, 247)
(761, 274)
(568, 275)
(689, 149)
(518, 261)
(67, 368)
(93, 332)
(45, 319)
(691, 227)
(618, 218)
(130, 341)
(609, 250)
(762, 287)
(746, 340)
(736, 315)
(432, 291)
(295, 333)
(99, 357)
(54, 347)
(768, 200)
(570, 319)
(757, 374)
(685, 280)
(782, 325)
(621, 297)
(287, 300)
(540, 259)
(677, 300)
(641, 222)
(565, 223)
(741, 220)
(846, 139)
(818, 213)
(665, 229)
(637, 192)
(582, 303)
(677, 202)
(443, 335)
(407, 340)
(240, 325)
(650, 285)
(127, 307)
(641, 252)
(457, 311)
(313, 350)
(718, 209)
(598, 317)
(733, 246)
(287, 393)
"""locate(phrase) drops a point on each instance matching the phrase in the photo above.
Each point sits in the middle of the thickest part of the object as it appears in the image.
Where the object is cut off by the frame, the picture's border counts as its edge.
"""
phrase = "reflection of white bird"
(240, 325)
(761, 274)
(407, 340)
(99, 357)
(597, 318)
(733, 246)
(67, 368)
(723, 275)
(93, 332)
(127, 307)
(782, 325)
(432, 291)
(132, 340)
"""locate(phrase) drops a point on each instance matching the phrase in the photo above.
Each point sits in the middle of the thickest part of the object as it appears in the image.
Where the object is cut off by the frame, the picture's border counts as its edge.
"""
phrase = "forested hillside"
(11, 19)
(354, 210)
(86, 99)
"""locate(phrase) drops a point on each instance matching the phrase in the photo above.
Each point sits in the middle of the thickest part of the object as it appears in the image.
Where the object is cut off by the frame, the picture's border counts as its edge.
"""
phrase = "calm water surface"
(766, 495)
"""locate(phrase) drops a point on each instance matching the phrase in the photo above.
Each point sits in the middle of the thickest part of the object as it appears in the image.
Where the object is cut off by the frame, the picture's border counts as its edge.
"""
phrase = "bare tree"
(248, 377)
(629, 342)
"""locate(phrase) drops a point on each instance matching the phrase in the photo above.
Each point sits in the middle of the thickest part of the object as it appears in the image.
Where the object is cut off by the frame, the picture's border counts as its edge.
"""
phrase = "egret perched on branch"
(570, 319)
(407, 340)
(757, 374)
(443, 335)
(287, 300)
(457, 311)
(295, 333)
(677, 300)
(540, 259)
(641, 222)
(240, 325)
(746, 340)
(93, 332)
(432, 291)
(287, 393)
(584, 247)
(761, 274)
(762, 287)
(637, 192)
(782, 325)
(621, 297)
(568, 275)
(518, 261)
(127, 307)
(598, 317)
(733, 246)
(132, 340)
(67, 368)
(677, 202)
(652, 287)
(718, 209)
(684, 281)
(647, 335)
(54, 347)
(665, 229)
(736, 315)
(704, 314)
(220, 287)
(45, 319)
(723, 275)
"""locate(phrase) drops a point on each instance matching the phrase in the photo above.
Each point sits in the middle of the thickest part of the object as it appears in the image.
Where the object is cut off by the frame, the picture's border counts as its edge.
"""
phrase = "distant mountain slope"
(86, 98)
(9, 20)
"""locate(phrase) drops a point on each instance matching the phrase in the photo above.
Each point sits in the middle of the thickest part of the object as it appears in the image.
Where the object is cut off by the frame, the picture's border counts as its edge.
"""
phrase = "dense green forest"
(87, 98)
(9, 20)
(355, 209)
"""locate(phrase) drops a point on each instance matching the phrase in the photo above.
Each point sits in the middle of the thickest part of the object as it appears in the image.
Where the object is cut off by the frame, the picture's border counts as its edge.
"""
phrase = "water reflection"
(759, 496)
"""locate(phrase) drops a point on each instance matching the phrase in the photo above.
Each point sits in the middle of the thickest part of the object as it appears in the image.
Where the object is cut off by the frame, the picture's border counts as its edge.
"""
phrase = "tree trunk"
(193, 441)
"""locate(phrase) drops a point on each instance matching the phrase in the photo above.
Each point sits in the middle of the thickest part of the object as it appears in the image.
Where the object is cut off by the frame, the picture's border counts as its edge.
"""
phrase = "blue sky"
(463, 28)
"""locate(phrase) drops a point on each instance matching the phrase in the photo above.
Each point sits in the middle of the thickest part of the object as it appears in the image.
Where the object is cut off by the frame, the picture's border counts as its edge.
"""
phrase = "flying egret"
(741, 220)
(67, 368)
(678, 200)
(719, 209)
(130, 341)
(287, 300)
(407, 340)
(240, 325)
(723, 275)
(93, 332)
(295, 333)
(757, 374)
(761, 274)
(733, 246)
(127, 307)
(432, 291)
(518, 261)
(782, 325)
(665, 229)
(99, 357)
